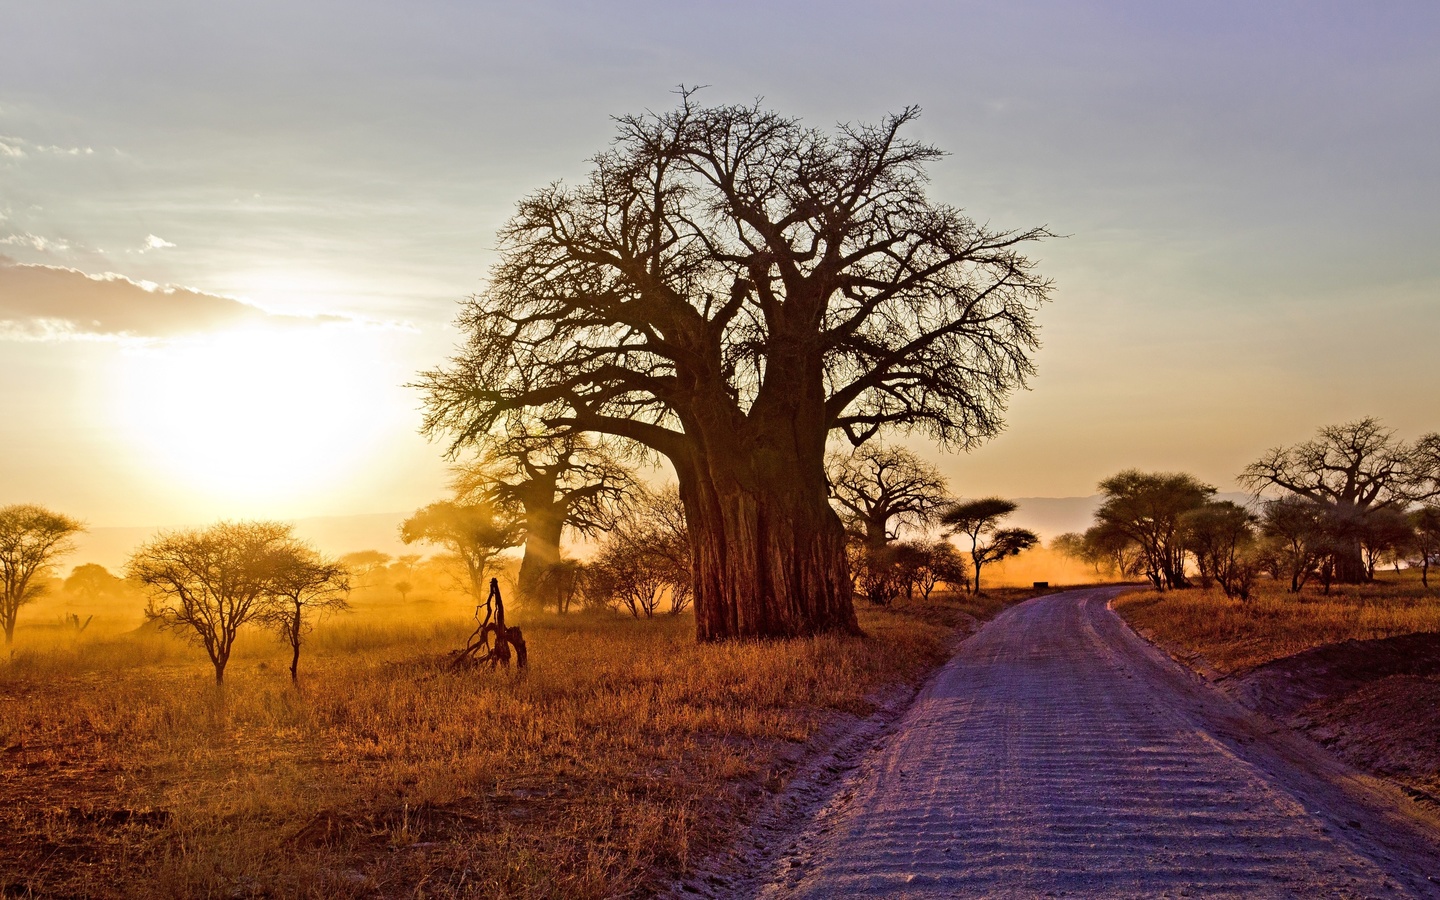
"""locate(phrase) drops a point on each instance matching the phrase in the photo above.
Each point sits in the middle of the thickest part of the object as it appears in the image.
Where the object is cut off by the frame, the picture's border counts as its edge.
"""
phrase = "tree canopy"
(1355, 470)
(882, 489)
(979, 520)
(31, 538)
(728, 288)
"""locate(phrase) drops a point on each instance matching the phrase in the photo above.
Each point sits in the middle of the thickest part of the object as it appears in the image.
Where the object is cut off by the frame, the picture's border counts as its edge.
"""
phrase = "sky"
(231, 234)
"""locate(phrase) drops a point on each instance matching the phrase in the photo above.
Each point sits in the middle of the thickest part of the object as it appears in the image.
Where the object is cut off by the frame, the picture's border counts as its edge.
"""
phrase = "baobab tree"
(31, 538)
(882, 490)
(728, 289)
(1353, 470)
(549, 483)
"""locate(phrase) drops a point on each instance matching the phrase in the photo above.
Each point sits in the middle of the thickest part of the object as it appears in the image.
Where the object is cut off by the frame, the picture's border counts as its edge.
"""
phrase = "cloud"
(155, 243)
(52, 302)
(35, 241)
(19, 148)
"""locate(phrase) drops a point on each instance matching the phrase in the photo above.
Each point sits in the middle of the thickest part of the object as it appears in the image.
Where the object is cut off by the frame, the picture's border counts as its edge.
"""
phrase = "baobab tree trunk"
(543, 528)
(1350, 567)
(768, 550)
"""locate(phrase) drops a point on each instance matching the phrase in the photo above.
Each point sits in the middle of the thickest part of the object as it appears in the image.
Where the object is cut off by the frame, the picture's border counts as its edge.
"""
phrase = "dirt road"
(1058, 754)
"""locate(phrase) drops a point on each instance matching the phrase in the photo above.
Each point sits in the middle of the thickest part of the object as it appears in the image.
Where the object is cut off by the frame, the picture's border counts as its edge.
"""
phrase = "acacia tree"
(1383, 533)
(1426, 542)
(31, 538)
(1354, 470)
(939, 563)
(1146, 509)
(1220, 535)
(1300, 539)
(304, 584)
(979, 520)
(1102, 548)
(475, 532)
(92, 581)
(729, 288)
(549, 483)
(211, 581)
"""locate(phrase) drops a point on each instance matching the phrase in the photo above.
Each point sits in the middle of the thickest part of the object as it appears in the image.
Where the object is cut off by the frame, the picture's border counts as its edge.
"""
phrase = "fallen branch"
(491, 642)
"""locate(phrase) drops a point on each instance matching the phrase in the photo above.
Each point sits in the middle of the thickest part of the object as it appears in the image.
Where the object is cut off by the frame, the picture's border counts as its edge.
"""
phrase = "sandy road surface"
(1060, 755)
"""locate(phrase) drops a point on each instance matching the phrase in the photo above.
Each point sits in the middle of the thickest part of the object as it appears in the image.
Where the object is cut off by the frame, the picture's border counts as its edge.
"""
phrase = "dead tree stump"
(492, 642)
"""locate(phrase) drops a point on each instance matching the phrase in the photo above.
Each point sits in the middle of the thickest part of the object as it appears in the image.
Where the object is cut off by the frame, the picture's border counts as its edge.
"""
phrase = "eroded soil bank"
(1374, 703)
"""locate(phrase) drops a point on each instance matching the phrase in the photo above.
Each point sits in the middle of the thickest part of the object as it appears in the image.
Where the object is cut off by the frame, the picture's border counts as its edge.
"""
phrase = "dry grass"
(1232, 636)
(623, 752)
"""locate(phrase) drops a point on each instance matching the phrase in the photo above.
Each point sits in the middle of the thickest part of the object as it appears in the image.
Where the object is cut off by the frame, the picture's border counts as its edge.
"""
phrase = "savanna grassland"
(1231, 635)
(625, 752)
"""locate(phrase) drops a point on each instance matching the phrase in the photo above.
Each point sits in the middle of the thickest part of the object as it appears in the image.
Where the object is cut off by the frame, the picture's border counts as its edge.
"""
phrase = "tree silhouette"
(728, 288)
(1146, 509)
(1220, 535)
(1354, 470)
(881, 490)
(550, 483)
(645, 557)
(211, 581)
(979, 520)
(91, 581)
(304, 584)
(1426, 543)
(1300, 537)
(474, 532)
(31, 538)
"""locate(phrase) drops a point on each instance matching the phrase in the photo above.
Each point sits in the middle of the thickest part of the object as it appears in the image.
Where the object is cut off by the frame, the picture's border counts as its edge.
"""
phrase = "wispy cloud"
(54, 303)
(19, 148)
(155, 243)
(35, 242)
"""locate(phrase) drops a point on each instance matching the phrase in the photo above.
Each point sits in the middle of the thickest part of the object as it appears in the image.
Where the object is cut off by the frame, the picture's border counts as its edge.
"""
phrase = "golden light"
(247, 418)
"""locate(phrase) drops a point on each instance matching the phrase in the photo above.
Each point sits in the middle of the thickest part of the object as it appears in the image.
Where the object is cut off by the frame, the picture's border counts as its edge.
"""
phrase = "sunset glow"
(250, 417)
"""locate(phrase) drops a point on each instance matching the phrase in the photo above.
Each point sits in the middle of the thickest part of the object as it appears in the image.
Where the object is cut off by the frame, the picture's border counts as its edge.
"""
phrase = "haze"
(254, 222)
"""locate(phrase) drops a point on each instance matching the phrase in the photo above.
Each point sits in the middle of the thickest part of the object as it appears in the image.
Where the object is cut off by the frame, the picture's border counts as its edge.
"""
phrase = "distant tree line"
(1328, 510)
(536, 494)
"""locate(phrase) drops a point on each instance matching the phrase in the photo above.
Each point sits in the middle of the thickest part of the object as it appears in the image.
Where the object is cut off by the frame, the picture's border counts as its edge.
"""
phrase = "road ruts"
(1058, 754)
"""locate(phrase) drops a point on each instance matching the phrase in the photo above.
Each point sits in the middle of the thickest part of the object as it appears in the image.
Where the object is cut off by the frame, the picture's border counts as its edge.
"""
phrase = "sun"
(246, 418)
